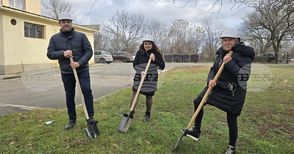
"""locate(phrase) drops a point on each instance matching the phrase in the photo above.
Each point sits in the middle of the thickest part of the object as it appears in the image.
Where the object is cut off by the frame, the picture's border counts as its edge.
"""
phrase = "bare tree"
(158, 32)
(287, 52)
(102, 41)
(277, 18)
(257, 36)
(105, 39)
(195, 38)
(53, 8)
(184, 38)
(177, 34)
(291, 52)
(211, 39)
(127, 29)
(218, 3)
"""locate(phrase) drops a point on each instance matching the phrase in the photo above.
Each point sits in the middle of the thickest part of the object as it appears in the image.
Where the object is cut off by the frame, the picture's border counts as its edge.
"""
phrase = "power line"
(92, 6)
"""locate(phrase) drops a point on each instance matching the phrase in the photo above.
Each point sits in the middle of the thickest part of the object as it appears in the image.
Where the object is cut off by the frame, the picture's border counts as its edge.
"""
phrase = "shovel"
(204, 99)
(127, 118)
(91, 129)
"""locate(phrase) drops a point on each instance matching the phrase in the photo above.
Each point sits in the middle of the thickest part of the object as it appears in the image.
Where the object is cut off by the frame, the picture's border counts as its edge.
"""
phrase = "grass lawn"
(265, 125)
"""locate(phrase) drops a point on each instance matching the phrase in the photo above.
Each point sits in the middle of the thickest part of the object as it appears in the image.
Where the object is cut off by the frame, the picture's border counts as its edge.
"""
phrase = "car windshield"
(96, 52)
(102, 52)
(107, 53)
(123, 53)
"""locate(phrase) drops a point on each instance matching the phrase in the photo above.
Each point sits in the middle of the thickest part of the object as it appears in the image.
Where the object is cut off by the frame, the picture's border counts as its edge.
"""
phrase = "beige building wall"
(33, 6)
(20, 50)
(5, 2)
(1, 45)
(22, 53)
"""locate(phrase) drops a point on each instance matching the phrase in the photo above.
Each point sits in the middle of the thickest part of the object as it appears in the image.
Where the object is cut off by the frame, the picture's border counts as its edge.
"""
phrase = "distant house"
(25, 34)
(95, 27)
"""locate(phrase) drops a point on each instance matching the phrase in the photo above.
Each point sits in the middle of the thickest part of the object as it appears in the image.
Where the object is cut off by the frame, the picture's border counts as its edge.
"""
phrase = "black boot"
(147, 116)
(70, 124)
(193, 134)
(91, 121)
(92, 128)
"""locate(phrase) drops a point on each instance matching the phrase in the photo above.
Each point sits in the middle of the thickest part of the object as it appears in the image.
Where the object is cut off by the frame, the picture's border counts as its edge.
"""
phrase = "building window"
(13, 22)
(18, 4)
(33, 30)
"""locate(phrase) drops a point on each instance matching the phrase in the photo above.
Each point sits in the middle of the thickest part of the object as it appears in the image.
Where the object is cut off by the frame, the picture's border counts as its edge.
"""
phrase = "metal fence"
(181, 58)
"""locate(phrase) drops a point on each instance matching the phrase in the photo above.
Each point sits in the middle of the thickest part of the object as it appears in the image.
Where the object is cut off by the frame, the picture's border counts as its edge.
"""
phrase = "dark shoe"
(147, 117)
(92, 128)
(91, 121)
(231, 150)
(70, 124)
(193, 134)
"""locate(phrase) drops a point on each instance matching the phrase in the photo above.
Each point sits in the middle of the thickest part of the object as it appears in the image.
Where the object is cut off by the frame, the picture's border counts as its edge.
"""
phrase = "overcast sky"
(161, 10)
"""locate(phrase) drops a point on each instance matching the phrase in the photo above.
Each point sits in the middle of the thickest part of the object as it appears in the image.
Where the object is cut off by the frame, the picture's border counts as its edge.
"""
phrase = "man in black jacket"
(63, 45)
(229, 91)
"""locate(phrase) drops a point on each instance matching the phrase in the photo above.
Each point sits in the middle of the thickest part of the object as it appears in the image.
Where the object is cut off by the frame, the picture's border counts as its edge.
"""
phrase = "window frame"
(32, 30)
(12, 3)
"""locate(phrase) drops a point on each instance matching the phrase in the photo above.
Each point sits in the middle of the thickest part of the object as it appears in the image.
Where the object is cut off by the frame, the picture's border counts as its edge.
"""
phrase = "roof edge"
(7, 8)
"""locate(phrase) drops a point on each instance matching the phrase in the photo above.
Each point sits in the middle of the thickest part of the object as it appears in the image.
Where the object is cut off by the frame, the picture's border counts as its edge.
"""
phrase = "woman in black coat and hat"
(148, 49)
(229, 91)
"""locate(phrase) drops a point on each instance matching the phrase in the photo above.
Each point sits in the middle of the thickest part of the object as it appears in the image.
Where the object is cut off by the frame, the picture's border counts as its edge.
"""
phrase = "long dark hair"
(154, 46)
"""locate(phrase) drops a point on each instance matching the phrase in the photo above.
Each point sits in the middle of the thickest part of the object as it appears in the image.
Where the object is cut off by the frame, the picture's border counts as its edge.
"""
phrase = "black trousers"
(231, 120)
(69, 84)
(149, 100)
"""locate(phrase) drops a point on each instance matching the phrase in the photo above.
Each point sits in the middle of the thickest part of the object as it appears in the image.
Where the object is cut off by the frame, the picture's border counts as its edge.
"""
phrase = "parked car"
(123, 56)
(265, 58)
(102, 57)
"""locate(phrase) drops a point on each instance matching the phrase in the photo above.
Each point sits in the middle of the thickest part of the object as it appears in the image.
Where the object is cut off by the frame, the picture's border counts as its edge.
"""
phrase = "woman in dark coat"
(229, 91)
(147, 49)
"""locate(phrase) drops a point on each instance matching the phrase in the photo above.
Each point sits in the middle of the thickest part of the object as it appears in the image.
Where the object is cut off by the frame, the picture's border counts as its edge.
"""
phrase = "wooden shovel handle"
(140, 85)
(204, 99)
(79, 89)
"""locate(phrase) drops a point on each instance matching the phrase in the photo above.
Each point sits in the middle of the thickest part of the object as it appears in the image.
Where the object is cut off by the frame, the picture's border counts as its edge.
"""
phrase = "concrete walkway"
(44, 88)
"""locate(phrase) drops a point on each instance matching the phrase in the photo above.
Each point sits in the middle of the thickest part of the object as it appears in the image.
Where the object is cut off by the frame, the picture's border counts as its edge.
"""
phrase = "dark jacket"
(75, 41)
(230, 91)
(139, 64)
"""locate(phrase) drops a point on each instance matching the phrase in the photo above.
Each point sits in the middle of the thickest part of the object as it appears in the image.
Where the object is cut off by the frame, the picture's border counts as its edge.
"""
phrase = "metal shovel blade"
(92, 130)
(125, 123)
(184, 133)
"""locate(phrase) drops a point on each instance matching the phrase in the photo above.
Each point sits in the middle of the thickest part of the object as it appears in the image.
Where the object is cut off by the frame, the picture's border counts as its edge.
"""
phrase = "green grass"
(265, 125)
